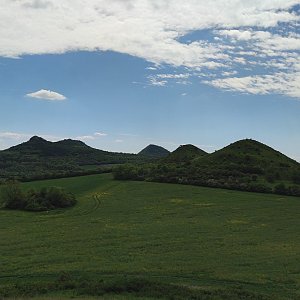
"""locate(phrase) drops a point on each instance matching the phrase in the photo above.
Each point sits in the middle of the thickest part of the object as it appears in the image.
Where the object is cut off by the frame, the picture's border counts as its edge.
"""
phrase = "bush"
(125, 172)
(36, 200)
(12, 195)
(294, 190)
(281, 189)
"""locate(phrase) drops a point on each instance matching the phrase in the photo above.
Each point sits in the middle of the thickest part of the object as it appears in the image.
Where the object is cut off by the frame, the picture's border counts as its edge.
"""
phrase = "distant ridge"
(243, 165)
(38, 158)
(154, 151)
(39, 146)
(185, 153)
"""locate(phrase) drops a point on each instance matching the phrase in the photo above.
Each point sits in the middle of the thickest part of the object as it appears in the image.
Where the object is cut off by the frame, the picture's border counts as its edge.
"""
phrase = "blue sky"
(120, 76)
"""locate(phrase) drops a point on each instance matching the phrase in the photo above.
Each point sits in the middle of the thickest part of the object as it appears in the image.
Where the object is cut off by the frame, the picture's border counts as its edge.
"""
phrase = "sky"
(122, 74)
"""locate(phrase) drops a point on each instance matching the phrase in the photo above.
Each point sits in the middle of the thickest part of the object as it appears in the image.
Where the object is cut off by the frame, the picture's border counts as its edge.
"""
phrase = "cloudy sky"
(120, 74)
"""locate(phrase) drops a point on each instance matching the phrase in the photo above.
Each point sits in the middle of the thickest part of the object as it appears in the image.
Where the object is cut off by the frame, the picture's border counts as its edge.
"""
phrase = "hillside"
(250, 157)
(244, 165)
(185, 153)
(68, 147)
(39, 146)
(39, 158)
(154, 151)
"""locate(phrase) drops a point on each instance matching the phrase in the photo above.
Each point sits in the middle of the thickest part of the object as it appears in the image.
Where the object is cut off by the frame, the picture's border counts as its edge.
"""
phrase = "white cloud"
(245, 35)
(162, 79)
(151, 68)
(281, 83)
(229, 73)
(173, 76)
(47, 95)
(13, 135)
(155, 82)
(240, 60)
(146, 28)
(93, 136)
(119, 141)
(85, 137)
(264, 39)
(98, 134)
(278, 56)
(151, 29)
(11, 138)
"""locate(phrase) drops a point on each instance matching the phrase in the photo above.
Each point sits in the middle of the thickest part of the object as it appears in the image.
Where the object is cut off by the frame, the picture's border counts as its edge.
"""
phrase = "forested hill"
(244, 165)
(185, 153)
(39, 158)
(154, 151)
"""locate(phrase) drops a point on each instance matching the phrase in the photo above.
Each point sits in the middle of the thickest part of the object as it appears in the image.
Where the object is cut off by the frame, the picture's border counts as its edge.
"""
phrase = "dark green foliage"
(245, 165)
(293, 190)
(280, 189)
(154, 151)
(47, 198)
(12, 196)
(125, 172)
(41, 159)
(185, 153)
(296, 177)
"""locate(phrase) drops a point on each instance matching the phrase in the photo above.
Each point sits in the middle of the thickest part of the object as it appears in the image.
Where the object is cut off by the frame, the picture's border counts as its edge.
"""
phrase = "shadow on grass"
(123, 286)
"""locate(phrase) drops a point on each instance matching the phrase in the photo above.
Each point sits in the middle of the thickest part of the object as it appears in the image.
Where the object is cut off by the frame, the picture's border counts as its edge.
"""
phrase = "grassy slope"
(189, 235)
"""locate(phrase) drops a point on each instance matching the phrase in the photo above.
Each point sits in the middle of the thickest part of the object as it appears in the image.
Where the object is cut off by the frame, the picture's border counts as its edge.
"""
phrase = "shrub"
(12, 195)
(49, 198)
(294, 190)
(280, 189)
(36, 200)
(125, 172)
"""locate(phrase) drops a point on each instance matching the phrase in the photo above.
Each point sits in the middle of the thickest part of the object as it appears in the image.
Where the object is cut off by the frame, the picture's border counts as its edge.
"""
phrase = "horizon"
(121, 75)
(170, 150)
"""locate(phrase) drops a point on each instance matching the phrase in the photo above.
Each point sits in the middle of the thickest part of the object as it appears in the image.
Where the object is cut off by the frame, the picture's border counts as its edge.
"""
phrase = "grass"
(194, 237)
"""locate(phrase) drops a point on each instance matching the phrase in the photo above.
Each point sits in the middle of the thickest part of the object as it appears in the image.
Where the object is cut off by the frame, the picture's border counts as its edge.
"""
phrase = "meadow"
(202, 239)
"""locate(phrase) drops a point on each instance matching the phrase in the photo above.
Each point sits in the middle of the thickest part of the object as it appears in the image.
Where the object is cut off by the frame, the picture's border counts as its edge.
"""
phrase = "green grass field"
(190, 236)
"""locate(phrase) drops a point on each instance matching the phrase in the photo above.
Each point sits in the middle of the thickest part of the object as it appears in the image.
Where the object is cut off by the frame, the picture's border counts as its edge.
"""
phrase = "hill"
(251, 157)
(154, 151)
(39, 146)
(68, 147)
(185, 153)
(244, 165)
(39, 158)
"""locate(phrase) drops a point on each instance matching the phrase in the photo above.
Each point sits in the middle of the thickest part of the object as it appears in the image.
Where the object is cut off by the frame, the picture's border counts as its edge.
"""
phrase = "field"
(199, 238)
